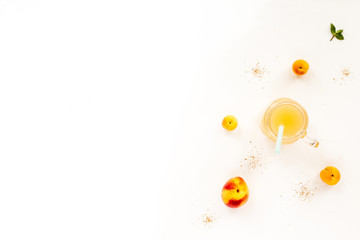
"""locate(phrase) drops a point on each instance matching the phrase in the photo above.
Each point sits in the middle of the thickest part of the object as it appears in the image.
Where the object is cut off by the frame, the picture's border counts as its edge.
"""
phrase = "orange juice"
(290, 117)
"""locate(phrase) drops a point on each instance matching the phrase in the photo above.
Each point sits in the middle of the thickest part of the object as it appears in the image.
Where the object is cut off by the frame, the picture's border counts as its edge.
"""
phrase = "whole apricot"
(229, 122)
(300, 67)
(330, 175)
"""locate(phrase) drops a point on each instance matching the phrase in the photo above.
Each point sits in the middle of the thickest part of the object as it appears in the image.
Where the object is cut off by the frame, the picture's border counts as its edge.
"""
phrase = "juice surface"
(288, 116)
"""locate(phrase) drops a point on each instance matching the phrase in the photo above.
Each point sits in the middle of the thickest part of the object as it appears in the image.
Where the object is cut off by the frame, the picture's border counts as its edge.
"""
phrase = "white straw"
(279, 139)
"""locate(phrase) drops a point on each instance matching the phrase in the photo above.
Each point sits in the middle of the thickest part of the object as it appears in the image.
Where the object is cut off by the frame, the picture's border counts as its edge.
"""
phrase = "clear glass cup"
(290, 114)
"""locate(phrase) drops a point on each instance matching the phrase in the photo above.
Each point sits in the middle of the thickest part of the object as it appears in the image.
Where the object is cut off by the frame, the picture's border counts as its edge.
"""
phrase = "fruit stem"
(332, 37)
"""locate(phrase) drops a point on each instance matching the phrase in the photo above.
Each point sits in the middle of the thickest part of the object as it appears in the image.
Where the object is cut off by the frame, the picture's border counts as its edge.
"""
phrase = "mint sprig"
(337, 34)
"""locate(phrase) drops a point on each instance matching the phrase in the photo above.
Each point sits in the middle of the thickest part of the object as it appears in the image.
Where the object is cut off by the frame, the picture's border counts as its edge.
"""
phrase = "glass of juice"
(291, 115)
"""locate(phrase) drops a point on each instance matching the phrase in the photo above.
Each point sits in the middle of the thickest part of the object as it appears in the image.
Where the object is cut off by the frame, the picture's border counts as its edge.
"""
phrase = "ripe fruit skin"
(300, 67)
(330, 175)
(229, 122)
(235, 192)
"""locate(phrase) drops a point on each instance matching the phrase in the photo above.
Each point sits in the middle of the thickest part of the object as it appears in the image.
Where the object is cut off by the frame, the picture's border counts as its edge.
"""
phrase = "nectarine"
(235, 192)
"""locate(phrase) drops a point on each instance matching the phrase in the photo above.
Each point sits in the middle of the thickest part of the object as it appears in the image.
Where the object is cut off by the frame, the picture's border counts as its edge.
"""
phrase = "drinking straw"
(279, 139)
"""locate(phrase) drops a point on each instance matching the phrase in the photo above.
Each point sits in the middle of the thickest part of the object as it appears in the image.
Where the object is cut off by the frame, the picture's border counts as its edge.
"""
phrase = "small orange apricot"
(229, 122)
(330, 175)
(300, 67)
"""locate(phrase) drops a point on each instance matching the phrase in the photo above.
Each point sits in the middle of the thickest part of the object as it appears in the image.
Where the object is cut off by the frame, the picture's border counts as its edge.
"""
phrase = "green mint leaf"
(339, 36)
(332, 28)
(339, 31)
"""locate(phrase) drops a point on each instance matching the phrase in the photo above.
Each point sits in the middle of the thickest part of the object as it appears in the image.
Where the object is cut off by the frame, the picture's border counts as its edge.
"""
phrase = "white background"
(111, 115)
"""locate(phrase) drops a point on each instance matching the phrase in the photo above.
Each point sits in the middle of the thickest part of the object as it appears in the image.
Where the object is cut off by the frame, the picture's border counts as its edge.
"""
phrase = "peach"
(229, 122)
(235, 192)
(300, 67)
(330, 175)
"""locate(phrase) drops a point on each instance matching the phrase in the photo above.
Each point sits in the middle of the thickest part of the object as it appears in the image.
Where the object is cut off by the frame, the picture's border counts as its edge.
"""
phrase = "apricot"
(229, 122)
(330, 175)
(300, 67)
